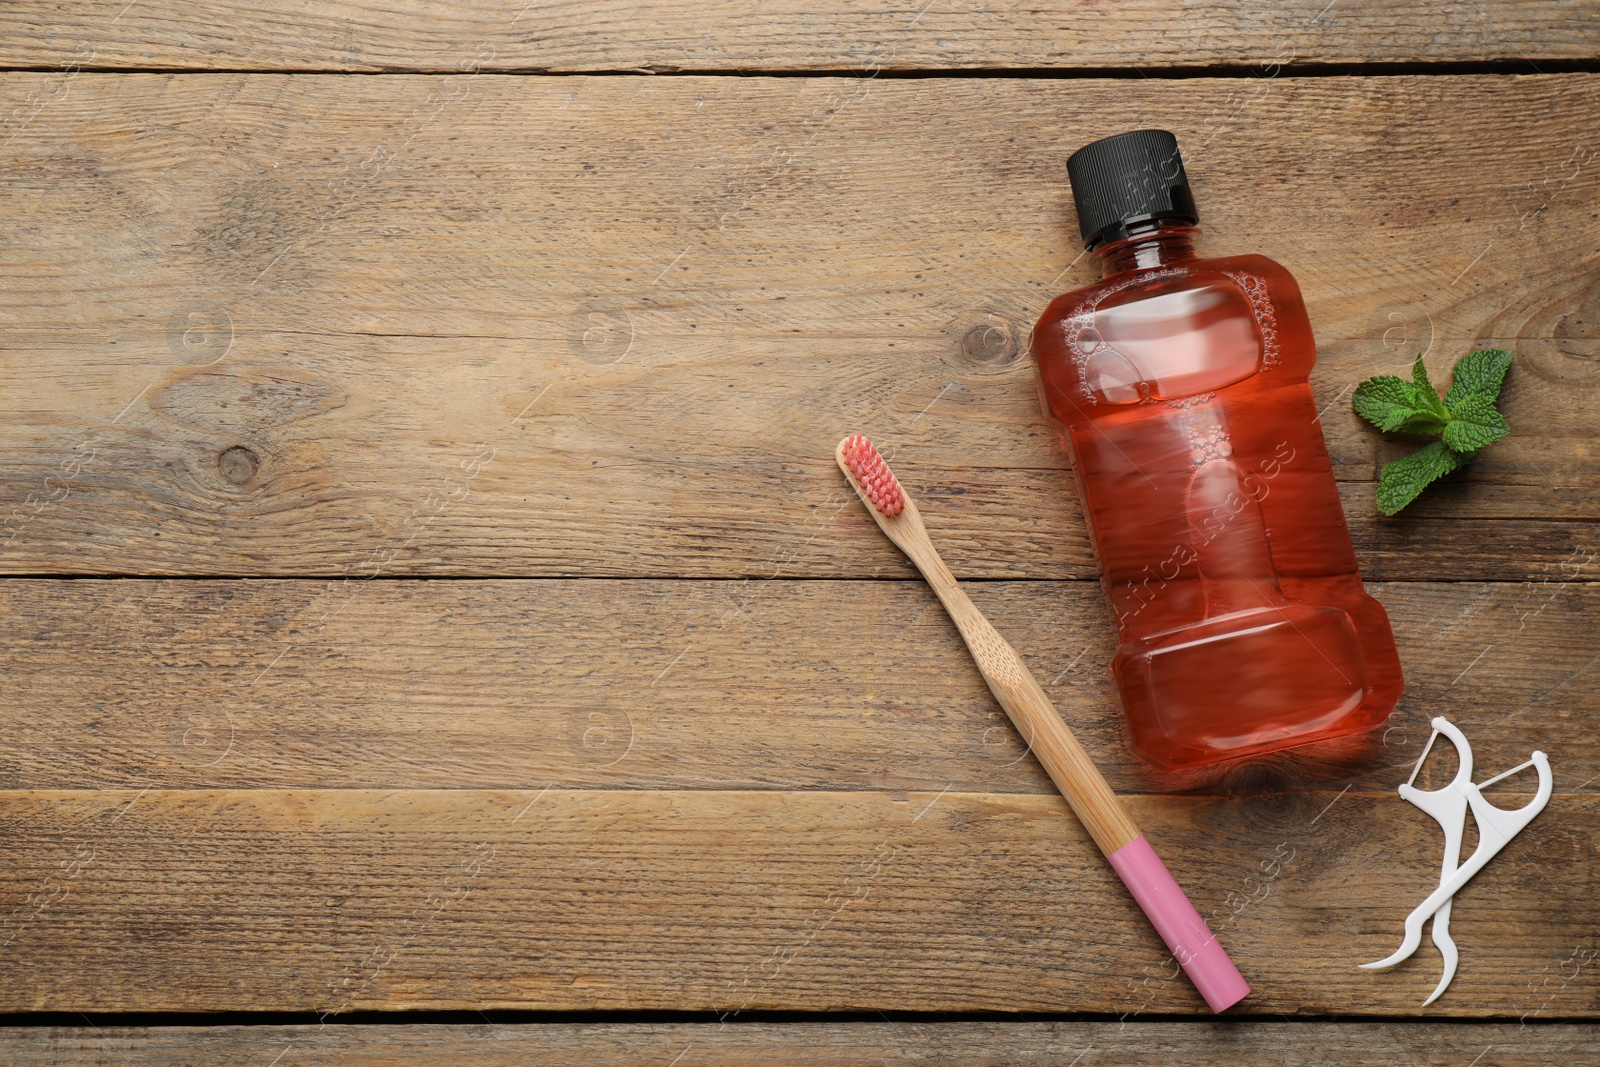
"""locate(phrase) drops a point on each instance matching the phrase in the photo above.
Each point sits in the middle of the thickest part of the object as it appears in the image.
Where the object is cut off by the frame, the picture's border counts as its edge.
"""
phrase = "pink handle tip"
(1180, 926)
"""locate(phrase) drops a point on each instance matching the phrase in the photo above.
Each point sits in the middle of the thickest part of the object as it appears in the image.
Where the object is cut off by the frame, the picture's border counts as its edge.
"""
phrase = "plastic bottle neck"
(1155, 245)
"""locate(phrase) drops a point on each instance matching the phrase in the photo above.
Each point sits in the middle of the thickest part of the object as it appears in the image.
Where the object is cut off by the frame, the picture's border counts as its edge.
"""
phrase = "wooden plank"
(725, 685)
(810, 1044)
(516, 35)
(550, 326)
(335, 900)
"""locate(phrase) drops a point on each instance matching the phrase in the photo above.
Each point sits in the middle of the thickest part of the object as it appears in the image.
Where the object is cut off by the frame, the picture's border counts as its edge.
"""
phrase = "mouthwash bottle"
(1180, 385)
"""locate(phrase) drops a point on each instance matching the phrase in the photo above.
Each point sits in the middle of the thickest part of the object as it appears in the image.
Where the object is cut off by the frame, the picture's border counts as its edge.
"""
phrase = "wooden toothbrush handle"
(1034, 716)
(1154, 889)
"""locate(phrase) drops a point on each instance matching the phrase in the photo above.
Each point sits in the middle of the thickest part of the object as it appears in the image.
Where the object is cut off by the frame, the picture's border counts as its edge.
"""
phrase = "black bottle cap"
(1122, 181)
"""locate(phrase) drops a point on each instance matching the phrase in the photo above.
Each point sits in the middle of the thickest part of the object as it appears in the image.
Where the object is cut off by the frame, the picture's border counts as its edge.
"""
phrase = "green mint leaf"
(1393, 405)
(1426, 423)
(1478, 374)
(1465, 420)
(1427, 397)
(1386, 401)
(1402, 479)
(1474, 423)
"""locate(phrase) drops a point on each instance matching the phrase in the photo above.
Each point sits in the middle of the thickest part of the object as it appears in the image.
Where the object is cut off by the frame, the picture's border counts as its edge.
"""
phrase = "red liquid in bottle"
(1180, 385)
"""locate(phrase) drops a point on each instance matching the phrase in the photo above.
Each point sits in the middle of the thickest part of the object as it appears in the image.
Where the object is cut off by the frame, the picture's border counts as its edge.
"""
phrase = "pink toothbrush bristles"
(877, 481)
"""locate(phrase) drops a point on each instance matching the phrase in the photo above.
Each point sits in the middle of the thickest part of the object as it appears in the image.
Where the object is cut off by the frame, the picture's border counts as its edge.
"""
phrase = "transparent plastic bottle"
(1180, 385)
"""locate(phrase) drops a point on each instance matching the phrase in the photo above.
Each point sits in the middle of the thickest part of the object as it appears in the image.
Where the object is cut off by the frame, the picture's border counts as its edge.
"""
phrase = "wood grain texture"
(516, 35)
(1267, 1043)
(335, 900)
(693, 685)
(481, 325)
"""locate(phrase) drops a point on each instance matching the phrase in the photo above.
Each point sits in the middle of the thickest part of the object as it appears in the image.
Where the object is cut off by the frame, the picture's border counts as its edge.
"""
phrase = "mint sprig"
(1464, 420)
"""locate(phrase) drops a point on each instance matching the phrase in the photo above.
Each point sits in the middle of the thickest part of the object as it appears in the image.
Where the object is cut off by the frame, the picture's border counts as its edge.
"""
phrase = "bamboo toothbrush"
(1097, 807)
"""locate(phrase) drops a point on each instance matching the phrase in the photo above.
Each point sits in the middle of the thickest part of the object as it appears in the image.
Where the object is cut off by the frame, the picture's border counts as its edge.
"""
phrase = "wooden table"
(428, 585)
